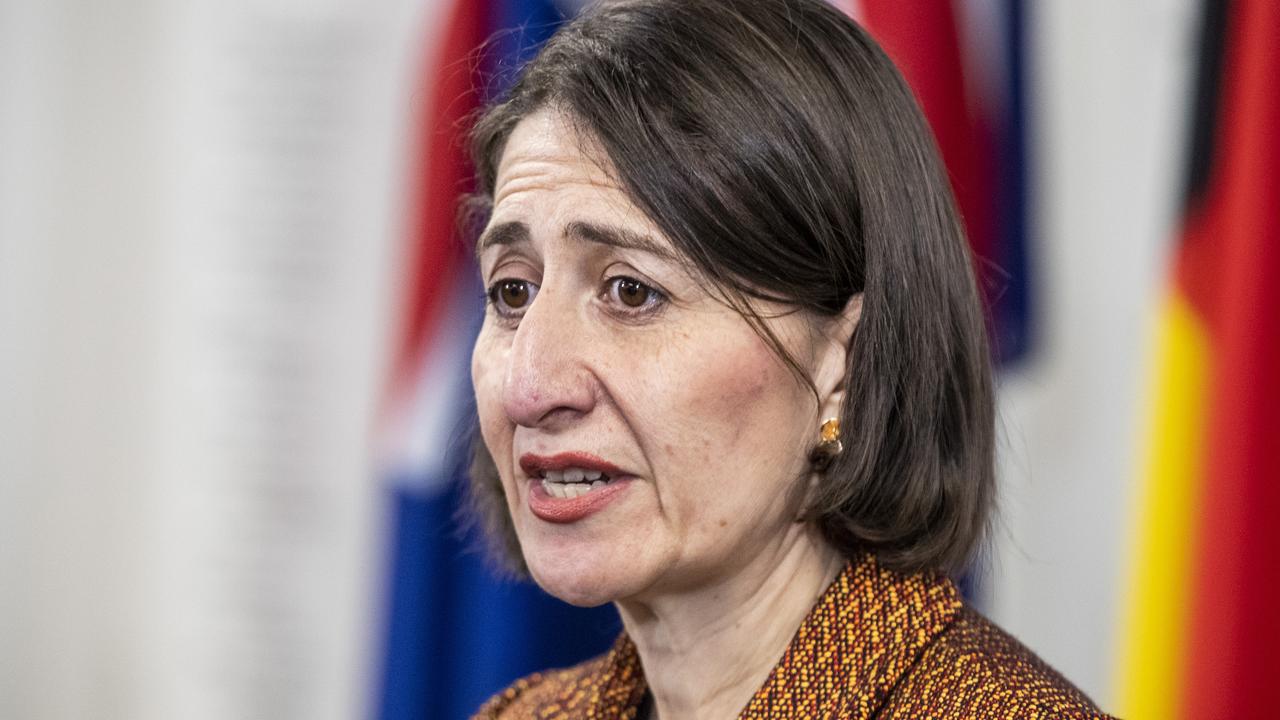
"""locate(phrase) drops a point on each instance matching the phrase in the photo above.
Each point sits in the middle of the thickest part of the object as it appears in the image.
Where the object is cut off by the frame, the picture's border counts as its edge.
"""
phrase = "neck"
(707, 649)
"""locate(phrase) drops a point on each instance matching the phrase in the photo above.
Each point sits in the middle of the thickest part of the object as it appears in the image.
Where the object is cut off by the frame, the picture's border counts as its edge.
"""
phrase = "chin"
(582, 576)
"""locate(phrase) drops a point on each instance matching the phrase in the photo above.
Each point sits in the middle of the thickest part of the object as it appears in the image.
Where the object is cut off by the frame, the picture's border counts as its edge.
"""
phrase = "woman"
(733, 375)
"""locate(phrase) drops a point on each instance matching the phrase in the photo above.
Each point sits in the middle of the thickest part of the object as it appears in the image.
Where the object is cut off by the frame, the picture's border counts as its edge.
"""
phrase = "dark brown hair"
(781, 152)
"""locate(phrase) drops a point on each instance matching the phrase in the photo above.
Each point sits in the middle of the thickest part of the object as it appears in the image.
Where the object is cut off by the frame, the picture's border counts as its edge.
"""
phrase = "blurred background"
(235, 325)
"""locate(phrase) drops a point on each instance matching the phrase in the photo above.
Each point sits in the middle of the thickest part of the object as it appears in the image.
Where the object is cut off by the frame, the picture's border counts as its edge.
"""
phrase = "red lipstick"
(567, 510)
(534, 465)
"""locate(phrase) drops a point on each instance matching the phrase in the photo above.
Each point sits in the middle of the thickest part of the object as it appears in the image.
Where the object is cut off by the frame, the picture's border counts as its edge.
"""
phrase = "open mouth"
(572, 482)
(570, 486)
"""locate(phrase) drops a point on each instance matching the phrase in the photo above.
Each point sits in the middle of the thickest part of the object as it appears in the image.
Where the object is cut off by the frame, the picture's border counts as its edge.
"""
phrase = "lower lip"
(566, 510)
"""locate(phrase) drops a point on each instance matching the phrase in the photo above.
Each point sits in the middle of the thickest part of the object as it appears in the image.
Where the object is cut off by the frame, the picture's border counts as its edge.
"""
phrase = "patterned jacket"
(878, 644)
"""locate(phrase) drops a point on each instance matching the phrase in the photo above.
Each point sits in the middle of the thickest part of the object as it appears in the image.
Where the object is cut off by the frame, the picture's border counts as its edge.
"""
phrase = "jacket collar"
(867, 629)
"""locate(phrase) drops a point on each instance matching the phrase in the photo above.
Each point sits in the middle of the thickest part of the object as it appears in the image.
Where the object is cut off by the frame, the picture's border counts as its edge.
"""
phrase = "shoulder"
(975, 669)
(606, 686)
(524, 696)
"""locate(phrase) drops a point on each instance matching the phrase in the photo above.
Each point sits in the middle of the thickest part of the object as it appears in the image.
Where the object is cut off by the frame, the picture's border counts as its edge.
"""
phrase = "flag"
(456, 632)
(1200, 636)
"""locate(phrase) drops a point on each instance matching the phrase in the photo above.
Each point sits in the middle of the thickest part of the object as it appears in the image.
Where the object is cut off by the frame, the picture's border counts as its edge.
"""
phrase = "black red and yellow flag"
(1202, 635)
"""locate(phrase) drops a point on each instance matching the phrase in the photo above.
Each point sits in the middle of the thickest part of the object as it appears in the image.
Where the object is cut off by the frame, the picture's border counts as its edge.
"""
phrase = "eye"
(509, 295)
(633, 294)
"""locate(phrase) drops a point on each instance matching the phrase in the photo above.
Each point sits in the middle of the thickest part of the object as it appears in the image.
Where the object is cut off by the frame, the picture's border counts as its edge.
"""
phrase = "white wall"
(199, 207)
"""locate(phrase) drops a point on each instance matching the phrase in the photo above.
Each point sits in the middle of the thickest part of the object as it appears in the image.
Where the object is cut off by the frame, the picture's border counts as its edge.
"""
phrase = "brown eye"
(514, 293)
(631, 292)
(634, 294)
(511, 295)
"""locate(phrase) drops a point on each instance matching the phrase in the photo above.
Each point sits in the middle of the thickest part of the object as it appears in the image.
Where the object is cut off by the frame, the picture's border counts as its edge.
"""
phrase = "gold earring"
(830, 432)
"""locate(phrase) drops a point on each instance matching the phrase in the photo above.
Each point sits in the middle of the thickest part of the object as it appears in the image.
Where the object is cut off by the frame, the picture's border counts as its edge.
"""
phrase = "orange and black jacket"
(878, 644)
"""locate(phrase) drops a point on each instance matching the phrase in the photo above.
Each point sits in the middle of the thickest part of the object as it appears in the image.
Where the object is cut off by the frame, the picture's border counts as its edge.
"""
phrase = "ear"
(831, 357)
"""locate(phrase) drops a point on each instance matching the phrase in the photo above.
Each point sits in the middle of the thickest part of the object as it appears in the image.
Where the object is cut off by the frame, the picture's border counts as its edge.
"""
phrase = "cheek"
(729, 423)
(720, 395)
(488, 368)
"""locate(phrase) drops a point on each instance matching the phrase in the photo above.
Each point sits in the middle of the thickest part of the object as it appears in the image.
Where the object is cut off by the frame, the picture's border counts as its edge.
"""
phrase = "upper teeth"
(572, 475)
(572, 482)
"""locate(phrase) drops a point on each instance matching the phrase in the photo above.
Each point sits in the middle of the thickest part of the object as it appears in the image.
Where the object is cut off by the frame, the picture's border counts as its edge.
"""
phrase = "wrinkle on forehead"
(547, 151)
(549, 174)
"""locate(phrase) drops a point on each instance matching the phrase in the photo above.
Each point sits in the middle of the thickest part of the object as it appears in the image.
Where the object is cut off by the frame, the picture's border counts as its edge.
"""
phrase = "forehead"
(546, 154)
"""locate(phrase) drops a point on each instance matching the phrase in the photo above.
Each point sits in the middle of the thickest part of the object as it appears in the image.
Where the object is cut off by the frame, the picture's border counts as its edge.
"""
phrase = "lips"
(568, 487)
(536, 465)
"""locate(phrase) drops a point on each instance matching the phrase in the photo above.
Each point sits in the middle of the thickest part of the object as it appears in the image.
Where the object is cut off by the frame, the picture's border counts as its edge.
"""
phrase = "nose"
(548, 382)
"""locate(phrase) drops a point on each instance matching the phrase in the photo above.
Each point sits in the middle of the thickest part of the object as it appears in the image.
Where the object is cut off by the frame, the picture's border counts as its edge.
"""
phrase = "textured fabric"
(878, 644)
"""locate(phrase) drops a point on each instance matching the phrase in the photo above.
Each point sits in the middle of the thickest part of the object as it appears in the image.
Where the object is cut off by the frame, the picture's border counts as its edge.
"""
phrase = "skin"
(702, 553)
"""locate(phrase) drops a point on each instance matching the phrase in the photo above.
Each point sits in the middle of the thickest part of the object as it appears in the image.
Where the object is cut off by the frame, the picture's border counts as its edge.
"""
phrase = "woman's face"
(603, 357)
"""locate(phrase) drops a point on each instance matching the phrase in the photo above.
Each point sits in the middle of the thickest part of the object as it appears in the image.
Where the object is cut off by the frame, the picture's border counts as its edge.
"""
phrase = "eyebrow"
(507, 233)
(618, 237)
(512, 233)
